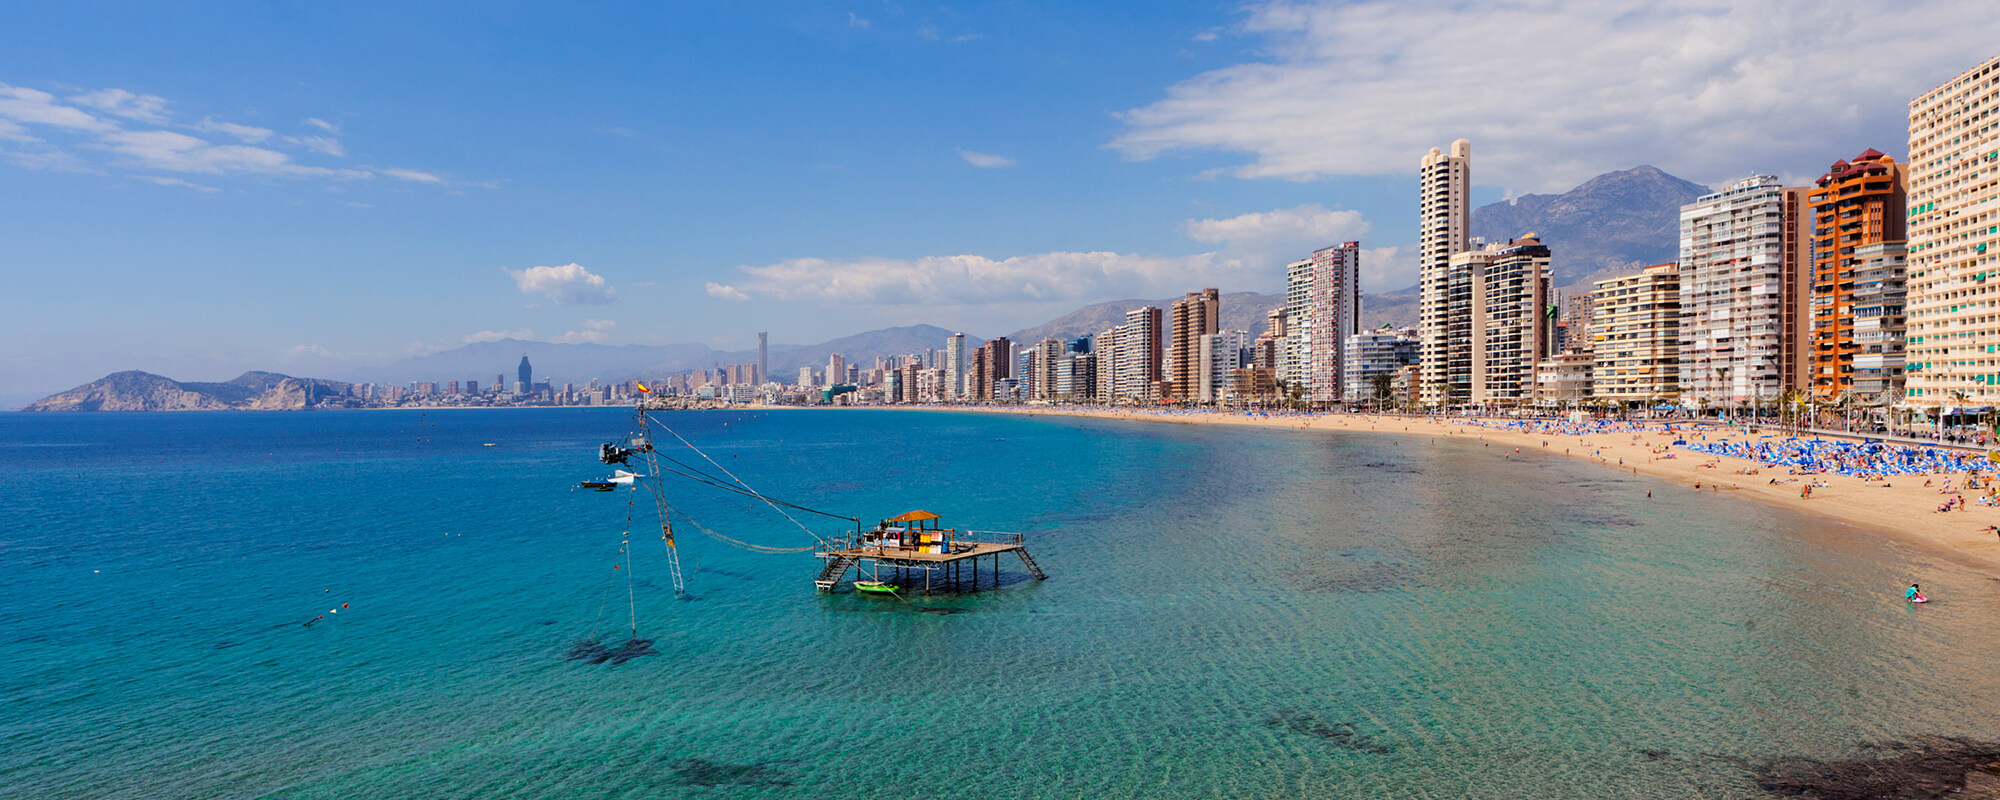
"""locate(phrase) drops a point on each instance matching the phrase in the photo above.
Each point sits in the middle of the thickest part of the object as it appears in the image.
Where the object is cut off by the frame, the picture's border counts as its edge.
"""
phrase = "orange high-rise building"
(1856, 204)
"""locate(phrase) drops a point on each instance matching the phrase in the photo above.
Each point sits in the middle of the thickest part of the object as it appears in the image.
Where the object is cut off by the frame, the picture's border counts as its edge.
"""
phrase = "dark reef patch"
(1341, 734)
(702, 772)
(1918, 768)
(592, 651)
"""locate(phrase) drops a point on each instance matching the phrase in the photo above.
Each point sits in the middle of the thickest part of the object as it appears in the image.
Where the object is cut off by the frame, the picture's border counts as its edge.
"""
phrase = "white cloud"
(179, 152)
(985, 160)
(12, 132)
(726, 292)
(854, 21)
(569, 284)
(22, 104)
(178, 182)
(927, 33)
(51, 134)
(118, 102)
(966, 37)
(319, 144)
(249, 134)
(971, 279)
(1254, 249)
(1207, 36)
(411, 175)
(1554, 91)
(45, 158)
(627, 132)
(1309, 224)
(594, 332)
(355, 204)
(494, 336)
(308, 350)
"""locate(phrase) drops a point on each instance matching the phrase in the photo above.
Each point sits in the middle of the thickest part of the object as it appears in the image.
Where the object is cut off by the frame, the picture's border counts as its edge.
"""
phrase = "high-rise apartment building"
(1855, 204)
(1048, 359)
(525, 377)
(1293, 358)
(836, 368)
(1881, 280)
(1635, 324)
(1376, 353)
(763, 358)
(978, 378)
(1105, 390)
(1139, 356)
(1194, 316)
(1576, 323)
(1513, 319)
(1954, 244)
(954, 366)
(1220, 354)
(1444, 225)
(1744, 284)
(1334, 314)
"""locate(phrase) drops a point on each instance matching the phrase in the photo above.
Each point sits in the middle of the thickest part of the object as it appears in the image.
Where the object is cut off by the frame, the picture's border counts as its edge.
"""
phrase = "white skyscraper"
(954, 366)
(1444, 226)
(836, 368)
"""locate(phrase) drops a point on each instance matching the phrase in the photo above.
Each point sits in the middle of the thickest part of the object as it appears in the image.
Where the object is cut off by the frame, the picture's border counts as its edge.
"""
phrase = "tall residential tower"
(1954, 250)
(1444, 225)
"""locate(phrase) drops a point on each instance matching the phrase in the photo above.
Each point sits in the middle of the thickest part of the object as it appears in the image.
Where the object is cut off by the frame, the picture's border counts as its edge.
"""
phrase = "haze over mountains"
(1612, 224)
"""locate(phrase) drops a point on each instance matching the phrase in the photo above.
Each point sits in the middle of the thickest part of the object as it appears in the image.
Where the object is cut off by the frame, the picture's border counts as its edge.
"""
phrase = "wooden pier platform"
(943, 556)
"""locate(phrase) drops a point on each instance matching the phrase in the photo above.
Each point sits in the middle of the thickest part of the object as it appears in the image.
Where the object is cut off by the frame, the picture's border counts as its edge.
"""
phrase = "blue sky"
(205, 188)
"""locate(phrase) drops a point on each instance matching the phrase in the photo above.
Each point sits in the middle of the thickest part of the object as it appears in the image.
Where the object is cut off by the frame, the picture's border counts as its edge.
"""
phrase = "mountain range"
(1612, 224)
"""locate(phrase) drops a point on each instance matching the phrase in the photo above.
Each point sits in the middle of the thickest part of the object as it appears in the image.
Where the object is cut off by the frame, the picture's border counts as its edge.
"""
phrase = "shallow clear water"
(1232, 612)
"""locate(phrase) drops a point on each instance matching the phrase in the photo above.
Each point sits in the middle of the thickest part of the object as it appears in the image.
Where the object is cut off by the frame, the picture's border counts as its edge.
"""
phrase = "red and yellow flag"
(642, 387)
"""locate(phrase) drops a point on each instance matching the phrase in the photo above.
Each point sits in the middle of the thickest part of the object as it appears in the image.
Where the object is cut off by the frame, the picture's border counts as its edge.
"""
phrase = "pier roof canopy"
(915, 516)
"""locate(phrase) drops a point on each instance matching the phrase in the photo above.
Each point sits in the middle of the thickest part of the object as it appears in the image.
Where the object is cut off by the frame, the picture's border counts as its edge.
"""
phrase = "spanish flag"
(642, 387)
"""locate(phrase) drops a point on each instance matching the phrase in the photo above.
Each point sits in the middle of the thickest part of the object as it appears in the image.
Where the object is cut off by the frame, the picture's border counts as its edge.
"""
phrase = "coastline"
(1904, 509)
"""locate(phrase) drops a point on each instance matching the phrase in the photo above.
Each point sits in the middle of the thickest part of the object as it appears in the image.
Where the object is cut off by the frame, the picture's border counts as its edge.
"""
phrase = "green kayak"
(875, 587)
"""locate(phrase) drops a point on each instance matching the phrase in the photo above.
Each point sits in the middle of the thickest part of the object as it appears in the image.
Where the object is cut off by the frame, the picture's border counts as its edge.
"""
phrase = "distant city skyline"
(201, 191)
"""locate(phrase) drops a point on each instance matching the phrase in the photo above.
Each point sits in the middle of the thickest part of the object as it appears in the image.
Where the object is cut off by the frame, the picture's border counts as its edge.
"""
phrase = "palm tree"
(1384, 385)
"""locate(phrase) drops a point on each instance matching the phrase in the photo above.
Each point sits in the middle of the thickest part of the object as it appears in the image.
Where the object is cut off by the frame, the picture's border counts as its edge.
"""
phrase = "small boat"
(601, 486)
(875, 587)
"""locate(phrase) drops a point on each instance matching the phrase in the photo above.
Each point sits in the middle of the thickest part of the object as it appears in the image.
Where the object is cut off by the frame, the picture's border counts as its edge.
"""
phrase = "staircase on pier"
(1029, 562)
(835, 569)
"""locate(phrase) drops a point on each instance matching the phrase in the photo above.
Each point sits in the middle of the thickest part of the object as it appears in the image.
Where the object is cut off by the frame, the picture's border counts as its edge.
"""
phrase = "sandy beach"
(1901, 506)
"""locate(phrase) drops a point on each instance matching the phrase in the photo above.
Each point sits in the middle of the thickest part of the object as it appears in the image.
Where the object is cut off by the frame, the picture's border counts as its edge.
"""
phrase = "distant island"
(133, 390)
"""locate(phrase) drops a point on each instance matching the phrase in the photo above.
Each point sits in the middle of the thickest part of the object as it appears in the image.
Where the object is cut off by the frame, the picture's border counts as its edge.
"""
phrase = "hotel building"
(1954, 244)
(1744, 279)
(1857, 205)
(1635, 329)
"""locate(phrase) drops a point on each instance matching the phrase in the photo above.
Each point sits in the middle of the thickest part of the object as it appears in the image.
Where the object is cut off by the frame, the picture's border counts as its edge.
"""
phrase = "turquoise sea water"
(1232, 612)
